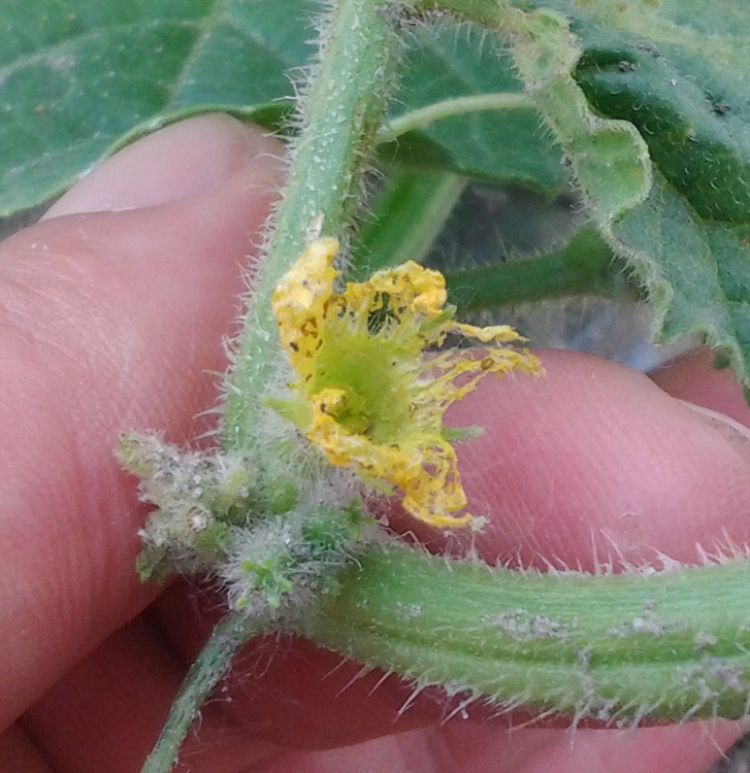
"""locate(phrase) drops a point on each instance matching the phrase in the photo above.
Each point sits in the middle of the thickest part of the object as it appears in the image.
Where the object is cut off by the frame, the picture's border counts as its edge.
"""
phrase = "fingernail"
(185, 159)
(729, 428)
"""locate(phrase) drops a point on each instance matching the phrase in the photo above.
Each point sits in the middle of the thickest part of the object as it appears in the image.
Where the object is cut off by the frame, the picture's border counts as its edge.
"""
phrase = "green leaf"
(608, 157)
(78, 77)
(677, 71)
(85, 76)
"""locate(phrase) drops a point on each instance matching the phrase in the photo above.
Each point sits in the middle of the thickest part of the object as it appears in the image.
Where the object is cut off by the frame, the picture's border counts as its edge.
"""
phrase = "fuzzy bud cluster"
(274, 541)
(200, 498)
(279, 567)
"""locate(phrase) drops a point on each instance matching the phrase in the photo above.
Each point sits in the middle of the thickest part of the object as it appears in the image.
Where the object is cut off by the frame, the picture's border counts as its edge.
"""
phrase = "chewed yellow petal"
(436, 491)
(496, 334)
(299, 303)
(411, 290)
(425, 470)
(497, 361)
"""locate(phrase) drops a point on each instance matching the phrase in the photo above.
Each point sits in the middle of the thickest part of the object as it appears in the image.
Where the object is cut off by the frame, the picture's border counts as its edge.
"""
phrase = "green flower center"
(372, 372)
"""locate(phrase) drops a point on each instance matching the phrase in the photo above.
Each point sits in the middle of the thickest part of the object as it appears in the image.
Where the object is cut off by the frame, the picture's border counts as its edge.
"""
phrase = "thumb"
(110, 321)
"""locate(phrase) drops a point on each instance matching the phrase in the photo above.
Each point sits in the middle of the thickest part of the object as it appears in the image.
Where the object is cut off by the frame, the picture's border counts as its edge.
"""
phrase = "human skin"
(112, 312)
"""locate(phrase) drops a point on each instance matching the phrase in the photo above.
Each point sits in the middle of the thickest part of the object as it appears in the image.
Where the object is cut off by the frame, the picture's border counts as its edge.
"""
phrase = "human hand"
(111, 320)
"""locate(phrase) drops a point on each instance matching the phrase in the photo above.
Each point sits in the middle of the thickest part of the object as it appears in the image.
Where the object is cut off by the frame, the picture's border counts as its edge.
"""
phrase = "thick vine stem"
(209, 668)
(618, 648)
(340, 117)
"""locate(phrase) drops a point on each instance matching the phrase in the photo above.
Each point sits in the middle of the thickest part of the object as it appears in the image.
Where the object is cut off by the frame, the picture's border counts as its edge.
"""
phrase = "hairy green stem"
(340, 117)
(422, 118)
(210, 666)
(613, 647)
(586, 265)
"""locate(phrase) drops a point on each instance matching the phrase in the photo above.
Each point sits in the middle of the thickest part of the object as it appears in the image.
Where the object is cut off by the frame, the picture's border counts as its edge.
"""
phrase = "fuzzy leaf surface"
(77, 77)
(677, 70)
(507, 146)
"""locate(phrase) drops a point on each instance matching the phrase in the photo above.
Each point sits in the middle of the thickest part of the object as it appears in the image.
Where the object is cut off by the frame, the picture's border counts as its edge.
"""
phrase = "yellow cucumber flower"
(365, 393)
